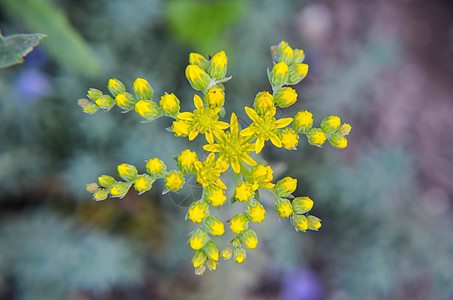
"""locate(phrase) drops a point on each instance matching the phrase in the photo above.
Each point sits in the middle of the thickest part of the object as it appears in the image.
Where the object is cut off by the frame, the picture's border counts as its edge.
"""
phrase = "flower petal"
(221, 125)
(283, 122)
(235, 165)
(234, 126)
(220, 136)
(188, 116)
(252, 114)
(259, 145)
(198, 102)
(213, 147)
(248, 160)
(249, 131)
(209, 137)
(219, 183)
(276, 140)
(193, 134)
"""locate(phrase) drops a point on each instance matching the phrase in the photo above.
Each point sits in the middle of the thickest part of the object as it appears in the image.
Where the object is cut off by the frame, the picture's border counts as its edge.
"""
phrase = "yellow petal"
(248, 131)
(209, 137)
(222, 125)
(219, 183)
(188, 116)
(252, 114)
(283, 122)
(248, 160)
(276, 140)
(220, 135)
(248, 148)
(259, 145)
(193, 134)
(198, 102)
(235, 165)
(213, 147)
(234, 126)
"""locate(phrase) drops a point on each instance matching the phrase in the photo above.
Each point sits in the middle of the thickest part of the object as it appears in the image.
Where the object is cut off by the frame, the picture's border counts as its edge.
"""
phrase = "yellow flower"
(92, 187)
(198, 211)
(303, 121)
(215, 97)
(125, 101)
(215, 195)
(255, 212)
(239, 255)
(285, 97)
(197, 78)
(283, 207)
(200, 270)
(198, 238)
(147, 109)
(289, 138)
(214, 225)
(279, 74)
(142, 89)
(239, 223)
(218, 65)
(211, 264)
(94, 94)
(106, 181)
(249, 239)
(244, 192)
(330, 124)
(186, 161)
(100, 194)
(227, 253)
(119, 189)
(285, 186)
(299, 56)
(232, 147)
(344, 129)
(314, 223)
(287, 55)
(174, 181)
(262, 177)
(115, 87)
(127, 172)
(263, 103)
(316, 137)
(169, 104)
(199, 258)
(297, 72)
(264, 128)
(155, 167)
(208, 172)
(302, 205)
(203, 120)
(199, 60)
(143, 183)
(181, 128)
(338, 141)
(300, 222)
(105, 102)
(212, 251)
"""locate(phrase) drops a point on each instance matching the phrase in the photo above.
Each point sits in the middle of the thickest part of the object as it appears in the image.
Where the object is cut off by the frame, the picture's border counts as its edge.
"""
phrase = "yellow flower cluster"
(227, 145)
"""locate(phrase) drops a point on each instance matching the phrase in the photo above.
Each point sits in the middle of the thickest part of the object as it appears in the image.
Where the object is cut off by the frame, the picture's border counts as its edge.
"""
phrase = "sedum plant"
(229, 147)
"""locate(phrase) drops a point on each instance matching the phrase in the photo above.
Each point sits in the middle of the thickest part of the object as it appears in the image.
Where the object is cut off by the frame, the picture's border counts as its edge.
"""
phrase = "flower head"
(261, 177)
(198, 211)
(174, 181)
(289, 138)
(208, 171)
(244, 192)
(215, 97)
(239, 223)
(186, 161)
(169, 104)
(155, 167)
(316, 137)
(283, 207)
(303, 121)
(256, 212)
(215, 195)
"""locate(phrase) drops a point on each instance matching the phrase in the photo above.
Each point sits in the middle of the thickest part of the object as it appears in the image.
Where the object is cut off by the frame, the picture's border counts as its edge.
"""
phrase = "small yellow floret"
(143, 183)
(285, 97)
(256, 212)
(262, 177)
(155, 167)
(239, 223)
(289, 138)
(227, 253)
(181, 128)
(215, 97)
(244, 192)
(174, 181)
(284, 208)
(215, 195)
(169, 104)
(197, 78)
(317, 137)
(303, 121)
(239, 255)
(186, 160)
(198, 211)
(286, 186)
(215, 226)
(249, 239)
(198, 238)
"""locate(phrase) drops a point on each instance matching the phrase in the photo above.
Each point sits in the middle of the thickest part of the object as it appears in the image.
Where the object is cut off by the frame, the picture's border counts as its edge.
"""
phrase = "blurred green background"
(385, 67)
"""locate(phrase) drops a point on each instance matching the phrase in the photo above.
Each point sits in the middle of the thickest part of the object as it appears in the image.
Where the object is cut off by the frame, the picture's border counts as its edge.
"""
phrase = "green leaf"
(13, 48)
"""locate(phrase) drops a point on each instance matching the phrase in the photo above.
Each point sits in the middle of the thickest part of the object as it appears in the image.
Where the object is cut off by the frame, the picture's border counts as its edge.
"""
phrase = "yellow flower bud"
(283, 207)
(303, 121)
(316, 137)
(115, 87)
(198, 238)
(344, 129)
(169, 104)
(285, 97)
(94, 94)
(214, 225)
(263, 103)
(143, 183)
(174, 181)
(227, 253)
(256, 212)
(142, 89)
(330, 124)
(199, 258)
(100, 194)
(127, 172)
(125, 101)
(299, 56)
(88, 107)
(155, 167)
(218, 65)
(262, 177)
(147, 109)
(186, 161)
(297, 72)
(106, 181)
(249, 239)
(105, 102)
(244, 192)
(239, 223)
(279, 74)
(212, 251)
(314, 223)
(211, 264)
(215, 195)
(300, 222)
(236, 242)
(92, 187)
(197, 78)
(198, 211)
(120, 189)
(285, 186)
(302, 205)
(287, 55)
(239, 255)
(181, 128)
(289, 138)
(199, 60)
(338, 141)
(215, 97)
(200, 270)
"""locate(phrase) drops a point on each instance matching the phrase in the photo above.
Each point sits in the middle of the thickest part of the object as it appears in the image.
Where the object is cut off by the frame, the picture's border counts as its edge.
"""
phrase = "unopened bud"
(199, 258)
(330, 124)
(127, 172)
(316, 137)
(94, 94)
(279, 74)
(125, 101)
(105, 102)
(239, 255)
(314, 223)
(338, 141)
(303, 121)
(198, 238)
(120, 189)
(106, 181)
(302, 205)
(142, 89)
(249, 239)
(297, 73)
(285, 186)
(197, 78)
(147, 109)
(285, 97)
(300, 222)
(198, 211)
(143, 183)
(218, 65)
(283, 207)
(169, 104)
(115, 87)
(212, 250)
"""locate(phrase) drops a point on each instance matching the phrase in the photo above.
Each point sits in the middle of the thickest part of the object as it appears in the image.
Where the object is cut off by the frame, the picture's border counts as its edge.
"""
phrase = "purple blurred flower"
(302, 285)
(31, 84)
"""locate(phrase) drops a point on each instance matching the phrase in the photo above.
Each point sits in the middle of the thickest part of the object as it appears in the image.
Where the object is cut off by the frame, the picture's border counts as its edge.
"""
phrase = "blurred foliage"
(14, 47)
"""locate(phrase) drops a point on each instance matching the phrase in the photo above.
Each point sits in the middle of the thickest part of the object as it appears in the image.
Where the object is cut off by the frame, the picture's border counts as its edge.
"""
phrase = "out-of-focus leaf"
(14, 47)
(202, 23)
(63, 42)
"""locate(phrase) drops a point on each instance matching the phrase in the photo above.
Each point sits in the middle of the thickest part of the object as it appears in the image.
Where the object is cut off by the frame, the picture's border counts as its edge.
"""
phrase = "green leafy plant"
(234, 148)
(15, 47)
